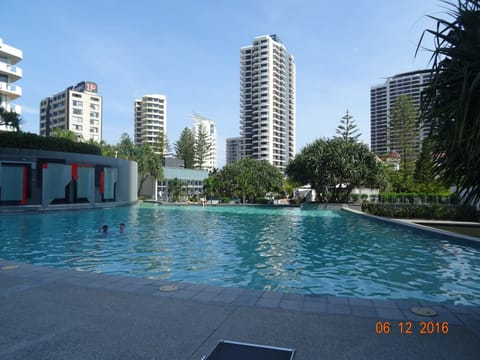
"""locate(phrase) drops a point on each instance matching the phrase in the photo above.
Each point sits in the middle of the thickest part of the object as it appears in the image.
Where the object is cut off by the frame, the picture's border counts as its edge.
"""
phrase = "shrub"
(430, 212)
(297, 201)
(21, 140)
(413, 197)
(354, 197)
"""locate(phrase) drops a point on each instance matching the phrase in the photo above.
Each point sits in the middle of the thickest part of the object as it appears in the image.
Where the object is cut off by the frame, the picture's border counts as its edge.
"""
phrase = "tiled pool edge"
(377, 310)
(410, 223)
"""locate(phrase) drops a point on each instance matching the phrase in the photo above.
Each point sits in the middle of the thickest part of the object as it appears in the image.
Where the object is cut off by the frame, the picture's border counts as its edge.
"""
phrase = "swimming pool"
(292, 250)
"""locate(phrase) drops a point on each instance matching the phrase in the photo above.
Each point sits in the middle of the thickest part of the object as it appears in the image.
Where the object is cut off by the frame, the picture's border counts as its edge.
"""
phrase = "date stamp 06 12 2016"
(409, 328)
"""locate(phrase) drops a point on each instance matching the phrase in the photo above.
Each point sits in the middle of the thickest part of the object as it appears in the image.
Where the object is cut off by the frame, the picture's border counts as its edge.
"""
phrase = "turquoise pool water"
(323, 252)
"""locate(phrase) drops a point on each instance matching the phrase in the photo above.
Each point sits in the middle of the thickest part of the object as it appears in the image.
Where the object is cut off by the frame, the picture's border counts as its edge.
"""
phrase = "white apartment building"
(150, 119)
(208, 126)
(234, 148)
(267, 101)
(9, 74)
(78, 108)
(382, 100)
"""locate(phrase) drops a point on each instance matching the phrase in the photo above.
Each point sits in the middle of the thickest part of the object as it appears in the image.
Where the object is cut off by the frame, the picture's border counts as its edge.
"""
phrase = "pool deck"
(49, 313)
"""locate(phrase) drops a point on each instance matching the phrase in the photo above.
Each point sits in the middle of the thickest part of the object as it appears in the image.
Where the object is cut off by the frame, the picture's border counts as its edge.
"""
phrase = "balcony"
(13, 54)
(11, 91)
(14, 73)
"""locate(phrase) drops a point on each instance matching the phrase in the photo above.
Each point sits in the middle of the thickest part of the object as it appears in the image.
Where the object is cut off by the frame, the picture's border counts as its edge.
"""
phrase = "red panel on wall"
(102, 182)
(75, 172)
(24, 187)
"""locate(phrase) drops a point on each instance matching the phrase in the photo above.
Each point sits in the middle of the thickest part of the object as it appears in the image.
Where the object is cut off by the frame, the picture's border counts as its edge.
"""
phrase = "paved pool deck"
(51, 313)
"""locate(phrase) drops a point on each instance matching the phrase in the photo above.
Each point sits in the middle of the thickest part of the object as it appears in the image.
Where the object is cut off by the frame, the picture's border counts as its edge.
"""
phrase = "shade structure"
(233, 350)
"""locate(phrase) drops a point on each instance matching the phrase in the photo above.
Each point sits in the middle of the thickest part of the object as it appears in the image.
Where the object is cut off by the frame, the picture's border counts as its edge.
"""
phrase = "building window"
(94, 99)
(94, 107)
(77, 103)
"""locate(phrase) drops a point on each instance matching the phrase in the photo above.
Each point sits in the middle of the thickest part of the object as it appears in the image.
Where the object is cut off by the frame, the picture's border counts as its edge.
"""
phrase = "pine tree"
(202, 147)
(161, 147)
(348, 129)
(404, 134)
(185, 148)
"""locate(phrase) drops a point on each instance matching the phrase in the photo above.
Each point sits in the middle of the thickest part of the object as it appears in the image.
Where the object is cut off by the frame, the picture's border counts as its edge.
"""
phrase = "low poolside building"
(177, 180)
(39, 179)
(188, 181)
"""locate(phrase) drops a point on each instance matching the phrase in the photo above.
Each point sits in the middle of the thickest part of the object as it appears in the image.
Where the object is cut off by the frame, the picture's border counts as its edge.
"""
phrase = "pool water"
(292, 250)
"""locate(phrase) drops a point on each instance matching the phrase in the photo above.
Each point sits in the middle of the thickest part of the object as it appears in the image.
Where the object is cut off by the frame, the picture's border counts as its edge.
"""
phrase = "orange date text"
(408, 327)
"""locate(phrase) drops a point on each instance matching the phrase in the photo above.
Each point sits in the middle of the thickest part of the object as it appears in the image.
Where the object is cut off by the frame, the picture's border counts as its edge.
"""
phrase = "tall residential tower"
(382, 100)
(9, 74)
(267, 101)
(78, 108)
(234, 148)
(150, 119)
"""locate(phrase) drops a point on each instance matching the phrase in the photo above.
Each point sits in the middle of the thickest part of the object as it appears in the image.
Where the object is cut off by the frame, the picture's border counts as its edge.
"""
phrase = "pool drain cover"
(423, 311)
(168, 288)
(9, 267)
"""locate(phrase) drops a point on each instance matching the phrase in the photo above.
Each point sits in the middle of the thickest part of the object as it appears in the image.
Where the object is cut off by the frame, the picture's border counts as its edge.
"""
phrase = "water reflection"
(261, 248)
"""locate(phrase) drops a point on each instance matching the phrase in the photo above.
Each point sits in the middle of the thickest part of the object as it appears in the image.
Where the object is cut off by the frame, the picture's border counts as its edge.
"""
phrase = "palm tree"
(451, 107)
(149, 164)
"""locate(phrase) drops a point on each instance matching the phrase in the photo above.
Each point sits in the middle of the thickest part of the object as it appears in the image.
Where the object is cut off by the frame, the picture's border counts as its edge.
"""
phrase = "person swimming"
(103, 230)
(122, 227)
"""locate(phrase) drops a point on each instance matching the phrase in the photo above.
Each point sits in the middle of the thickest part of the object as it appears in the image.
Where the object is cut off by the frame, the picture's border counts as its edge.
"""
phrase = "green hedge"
(21, 140)
(429, 212)
(441, 197)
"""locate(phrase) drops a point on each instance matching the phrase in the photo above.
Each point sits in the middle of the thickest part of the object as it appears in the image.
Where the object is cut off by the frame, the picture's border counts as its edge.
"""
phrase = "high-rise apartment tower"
(267, 101)
(234, 146)
(150, 119)
(382, 100)
(78, 108)
(9, 74)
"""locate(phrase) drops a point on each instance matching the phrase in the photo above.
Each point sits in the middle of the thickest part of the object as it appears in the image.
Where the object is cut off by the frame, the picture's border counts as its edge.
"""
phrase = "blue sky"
(189, 51)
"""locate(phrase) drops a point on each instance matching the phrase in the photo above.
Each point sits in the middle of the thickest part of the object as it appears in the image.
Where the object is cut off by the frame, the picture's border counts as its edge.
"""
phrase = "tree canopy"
(10, 119)
(65, 134)
(149, 163)
(451, 106)
(126, 147)
(248, 179)
(333, 167)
